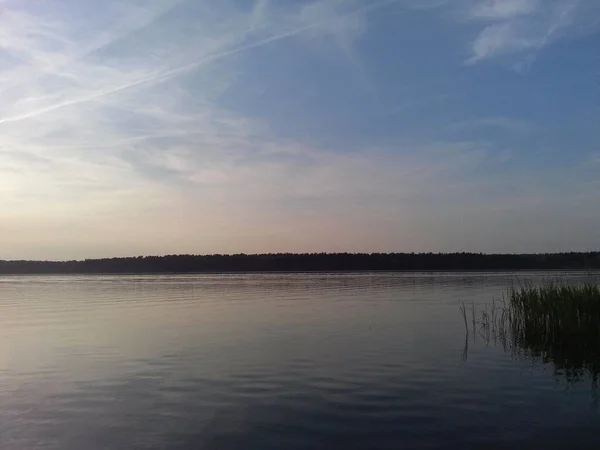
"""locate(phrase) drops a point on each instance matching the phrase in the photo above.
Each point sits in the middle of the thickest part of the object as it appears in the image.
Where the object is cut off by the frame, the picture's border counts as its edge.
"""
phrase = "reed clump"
(554, 323)
(557, 323)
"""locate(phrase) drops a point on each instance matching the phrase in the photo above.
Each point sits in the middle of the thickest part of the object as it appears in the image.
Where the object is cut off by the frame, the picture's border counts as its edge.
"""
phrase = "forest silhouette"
(310, 262)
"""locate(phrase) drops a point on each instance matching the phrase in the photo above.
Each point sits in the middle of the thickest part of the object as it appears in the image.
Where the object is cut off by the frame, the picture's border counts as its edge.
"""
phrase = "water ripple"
(270, 361)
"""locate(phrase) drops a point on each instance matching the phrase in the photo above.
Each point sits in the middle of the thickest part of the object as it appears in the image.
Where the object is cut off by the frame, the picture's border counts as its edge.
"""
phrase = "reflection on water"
(555, 323)
(300, 361)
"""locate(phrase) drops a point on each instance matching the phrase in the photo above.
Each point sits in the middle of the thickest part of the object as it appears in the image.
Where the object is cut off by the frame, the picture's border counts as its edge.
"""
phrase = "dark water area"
(274, 361)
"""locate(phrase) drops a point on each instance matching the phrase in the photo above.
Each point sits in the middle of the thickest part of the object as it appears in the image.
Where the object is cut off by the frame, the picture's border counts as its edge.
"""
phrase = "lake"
(274, 361)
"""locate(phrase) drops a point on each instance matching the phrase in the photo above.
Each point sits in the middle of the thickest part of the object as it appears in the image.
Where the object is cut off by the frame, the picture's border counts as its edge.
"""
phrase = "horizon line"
(241, 254)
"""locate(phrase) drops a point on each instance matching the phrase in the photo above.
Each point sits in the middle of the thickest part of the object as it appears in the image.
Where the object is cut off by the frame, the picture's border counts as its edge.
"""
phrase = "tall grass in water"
(557, 323)
(554, 323)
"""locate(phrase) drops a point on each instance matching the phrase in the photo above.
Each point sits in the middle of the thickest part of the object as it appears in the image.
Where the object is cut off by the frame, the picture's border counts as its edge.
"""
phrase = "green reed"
(554, 323)
(557, 323)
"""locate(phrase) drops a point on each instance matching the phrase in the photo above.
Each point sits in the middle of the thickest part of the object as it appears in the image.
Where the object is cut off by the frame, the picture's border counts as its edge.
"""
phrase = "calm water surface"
(327, 361)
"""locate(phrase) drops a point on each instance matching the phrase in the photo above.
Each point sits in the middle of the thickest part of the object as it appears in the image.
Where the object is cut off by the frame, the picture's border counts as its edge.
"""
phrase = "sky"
(143, 127)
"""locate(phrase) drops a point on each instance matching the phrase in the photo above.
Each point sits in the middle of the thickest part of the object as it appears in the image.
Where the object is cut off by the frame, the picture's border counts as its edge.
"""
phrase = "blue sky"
(185, 126)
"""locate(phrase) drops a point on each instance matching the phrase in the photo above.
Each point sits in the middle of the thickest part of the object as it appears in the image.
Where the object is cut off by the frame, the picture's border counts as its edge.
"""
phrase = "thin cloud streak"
(149, 136)
(504, 9)
(528, 26)
(510, 124)
(168, 74)
(124, 29)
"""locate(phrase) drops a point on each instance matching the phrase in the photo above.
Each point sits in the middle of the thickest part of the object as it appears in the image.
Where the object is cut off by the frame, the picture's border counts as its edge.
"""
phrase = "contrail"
(103, 40)
(165, 75)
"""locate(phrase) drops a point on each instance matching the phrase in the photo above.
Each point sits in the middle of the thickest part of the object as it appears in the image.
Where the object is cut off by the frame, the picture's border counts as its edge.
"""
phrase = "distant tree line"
(310, 262)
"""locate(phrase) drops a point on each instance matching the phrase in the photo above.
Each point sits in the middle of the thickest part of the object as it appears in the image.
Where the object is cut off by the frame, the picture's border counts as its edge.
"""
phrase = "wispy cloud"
(117, 136)
(504, 9)
(527, 26)
(319, 17)
(505, 124)
(126, 115)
